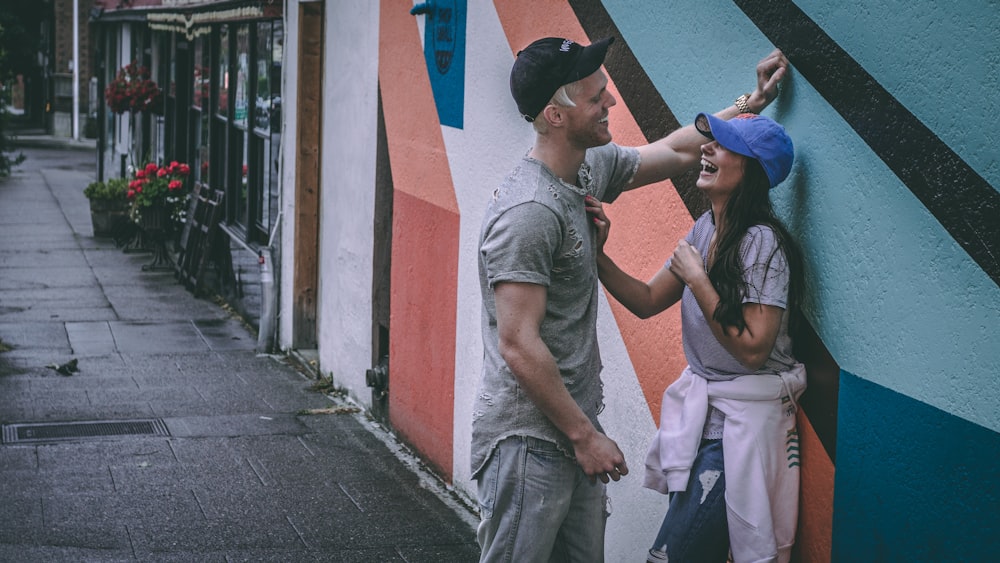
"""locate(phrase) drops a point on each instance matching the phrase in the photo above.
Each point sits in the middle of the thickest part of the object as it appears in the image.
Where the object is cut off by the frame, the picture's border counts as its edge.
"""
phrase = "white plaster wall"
(289, 96)
(494, 138)
(347, 196)
(636, 512)
(480, 155)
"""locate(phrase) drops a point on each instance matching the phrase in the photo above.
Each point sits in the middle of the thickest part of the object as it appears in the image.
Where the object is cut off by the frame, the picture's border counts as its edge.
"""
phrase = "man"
(538, 449)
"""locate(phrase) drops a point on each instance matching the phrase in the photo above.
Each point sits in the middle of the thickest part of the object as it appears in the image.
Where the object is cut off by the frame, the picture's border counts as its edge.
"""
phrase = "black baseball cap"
(547, 64)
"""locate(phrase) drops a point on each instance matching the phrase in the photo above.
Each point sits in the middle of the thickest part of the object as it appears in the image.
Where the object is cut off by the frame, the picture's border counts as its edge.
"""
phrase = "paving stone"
(242, 475)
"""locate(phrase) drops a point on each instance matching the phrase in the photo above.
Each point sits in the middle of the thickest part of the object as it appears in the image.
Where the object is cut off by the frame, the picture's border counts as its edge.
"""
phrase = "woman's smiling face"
(721, 169)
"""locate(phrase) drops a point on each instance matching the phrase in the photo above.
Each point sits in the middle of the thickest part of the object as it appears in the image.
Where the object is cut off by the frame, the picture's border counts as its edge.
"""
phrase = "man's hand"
(600, 458)
(771, 70)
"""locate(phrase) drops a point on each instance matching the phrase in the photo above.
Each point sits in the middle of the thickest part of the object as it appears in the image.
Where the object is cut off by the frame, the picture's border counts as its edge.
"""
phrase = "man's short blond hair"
(563, 98)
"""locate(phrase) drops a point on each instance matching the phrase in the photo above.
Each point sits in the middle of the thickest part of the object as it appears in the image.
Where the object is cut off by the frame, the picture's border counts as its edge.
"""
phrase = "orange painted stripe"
(815, 533)
(425, 235)
(647, 222)
(410, 112)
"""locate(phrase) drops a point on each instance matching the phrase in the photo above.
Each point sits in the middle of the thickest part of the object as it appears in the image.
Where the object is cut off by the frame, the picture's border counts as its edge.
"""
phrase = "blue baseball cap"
(754, 136)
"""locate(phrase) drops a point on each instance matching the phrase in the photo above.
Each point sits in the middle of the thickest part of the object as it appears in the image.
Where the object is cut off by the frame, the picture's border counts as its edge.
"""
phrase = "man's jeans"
(695, 527)
(537, 505)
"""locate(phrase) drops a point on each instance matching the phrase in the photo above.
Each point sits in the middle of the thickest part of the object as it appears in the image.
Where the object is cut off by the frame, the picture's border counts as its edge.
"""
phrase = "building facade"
(218, 66)
(370, 160)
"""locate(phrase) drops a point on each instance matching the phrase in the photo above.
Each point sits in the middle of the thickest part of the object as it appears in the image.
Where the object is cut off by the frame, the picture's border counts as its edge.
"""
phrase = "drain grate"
(57, 431)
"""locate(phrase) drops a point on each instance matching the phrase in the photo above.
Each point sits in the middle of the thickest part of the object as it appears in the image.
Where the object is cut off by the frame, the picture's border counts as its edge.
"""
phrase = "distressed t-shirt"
(536, 230)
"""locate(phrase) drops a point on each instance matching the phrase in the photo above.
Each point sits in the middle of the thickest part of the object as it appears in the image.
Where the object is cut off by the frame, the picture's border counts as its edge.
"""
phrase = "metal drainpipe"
(268, 298)
(268, 294)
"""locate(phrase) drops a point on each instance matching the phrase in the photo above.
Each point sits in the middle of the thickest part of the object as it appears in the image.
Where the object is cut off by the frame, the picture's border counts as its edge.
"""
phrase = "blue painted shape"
(913, 483)
(444, 51)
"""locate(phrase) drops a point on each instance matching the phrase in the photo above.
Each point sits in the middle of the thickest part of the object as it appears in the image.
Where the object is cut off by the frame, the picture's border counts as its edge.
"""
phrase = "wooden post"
(307, 174)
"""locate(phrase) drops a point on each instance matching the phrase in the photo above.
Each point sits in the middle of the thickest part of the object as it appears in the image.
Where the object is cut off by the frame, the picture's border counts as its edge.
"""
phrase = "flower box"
(109, 207)
(107, 217)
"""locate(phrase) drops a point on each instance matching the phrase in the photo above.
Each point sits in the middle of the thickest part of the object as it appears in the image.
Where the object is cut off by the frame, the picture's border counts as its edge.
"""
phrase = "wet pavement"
(174, 440)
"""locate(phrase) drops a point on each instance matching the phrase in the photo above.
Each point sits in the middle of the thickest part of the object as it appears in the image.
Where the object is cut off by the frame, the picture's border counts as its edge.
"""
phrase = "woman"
(728, 422)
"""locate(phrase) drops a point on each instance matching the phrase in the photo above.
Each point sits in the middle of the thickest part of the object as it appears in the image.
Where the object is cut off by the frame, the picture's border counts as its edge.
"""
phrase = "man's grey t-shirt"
(767, 280)
(537, 231)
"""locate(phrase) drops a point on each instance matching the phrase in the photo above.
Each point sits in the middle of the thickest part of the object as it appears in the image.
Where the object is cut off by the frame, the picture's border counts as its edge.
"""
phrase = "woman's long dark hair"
(749, 205)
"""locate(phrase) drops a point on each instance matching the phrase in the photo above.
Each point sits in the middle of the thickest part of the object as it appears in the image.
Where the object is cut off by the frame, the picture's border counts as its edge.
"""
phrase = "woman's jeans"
(537, 505)
(695, 527)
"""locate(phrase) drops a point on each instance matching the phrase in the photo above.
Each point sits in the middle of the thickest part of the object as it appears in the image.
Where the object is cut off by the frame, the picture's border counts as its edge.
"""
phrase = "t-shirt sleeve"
(765, 268)
(614, 167)
(520, 244)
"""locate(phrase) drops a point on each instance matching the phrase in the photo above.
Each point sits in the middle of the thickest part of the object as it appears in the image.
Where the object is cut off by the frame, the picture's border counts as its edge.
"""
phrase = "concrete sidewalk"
(175, 441)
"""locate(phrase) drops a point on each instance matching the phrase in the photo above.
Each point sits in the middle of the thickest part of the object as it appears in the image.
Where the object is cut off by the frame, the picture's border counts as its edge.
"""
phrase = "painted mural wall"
(894, 198)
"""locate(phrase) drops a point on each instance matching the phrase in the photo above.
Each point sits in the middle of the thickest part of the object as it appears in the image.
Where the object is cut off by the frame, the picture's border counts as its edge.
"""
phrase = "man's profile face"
(587, 123)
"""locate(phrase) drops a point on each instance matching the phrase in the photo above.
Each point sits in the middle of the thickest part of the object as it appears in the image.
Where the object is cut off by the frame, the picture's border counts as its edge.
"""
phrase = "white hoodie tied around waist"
(759, 442)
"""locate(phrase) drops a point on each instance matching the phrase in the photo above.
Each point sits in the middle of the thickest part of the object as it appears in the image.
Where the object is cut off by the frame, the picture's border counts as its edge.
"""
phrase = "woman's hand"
(687, 263)
(771, 71)
(601, 221)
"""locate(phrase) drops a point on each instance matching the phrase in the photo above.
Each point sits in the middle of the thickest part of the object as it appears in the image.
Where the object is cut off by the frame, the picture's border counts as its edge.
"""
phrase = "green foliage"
(158, 186)
(114, 189)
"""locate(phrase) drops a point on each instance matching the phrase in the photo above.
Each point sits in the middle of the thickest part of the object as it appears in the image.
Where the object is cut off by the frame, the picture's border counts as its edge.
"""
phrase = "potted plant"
(132, 90)
(160, 192)
(108, 205)
(159, 197)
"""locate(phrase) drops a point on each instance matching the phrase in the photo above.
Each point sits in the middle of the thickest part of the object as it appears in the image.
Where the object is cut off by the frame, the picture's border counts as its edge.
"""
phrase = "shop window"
(231, 89)
(239, 130)
(220, 119)
(201, 83)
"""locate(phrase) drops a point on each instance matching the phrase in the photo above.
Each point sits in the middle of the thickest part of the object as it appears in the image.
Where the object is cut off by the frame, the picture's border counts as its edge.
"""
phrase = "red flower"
(156, 185)
(132, 90)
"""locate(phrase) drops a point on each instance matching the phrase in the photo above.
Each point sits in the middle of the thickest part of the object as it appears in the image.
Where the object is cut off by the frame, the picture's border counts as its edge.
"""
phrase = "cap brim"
(591, 58)
(723, 132)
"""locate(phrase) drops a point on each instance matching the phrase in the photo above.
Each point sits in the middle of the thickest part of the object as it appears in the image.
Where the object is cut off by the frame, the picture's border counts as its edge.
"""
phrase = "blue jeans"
(537, 506)
(695, 527)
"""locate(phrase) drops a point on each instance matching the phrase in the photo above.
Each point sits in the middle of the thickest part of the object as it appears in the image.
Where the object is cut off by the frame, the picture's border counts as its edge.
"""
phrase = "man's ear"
(553, 114)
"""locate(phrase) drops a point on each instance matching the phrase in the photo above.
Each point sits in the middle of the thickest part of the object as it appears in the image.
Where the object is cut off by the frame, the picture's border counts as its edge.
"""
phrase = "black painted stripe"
(656, 120)
(651, 113)
(965, 204)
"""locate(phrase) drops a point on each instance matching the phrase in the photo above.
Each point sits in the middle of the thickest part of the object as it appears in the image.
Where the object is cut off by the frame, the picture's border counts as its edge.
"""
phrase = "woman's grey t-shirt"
(537, 231)
(767, 284)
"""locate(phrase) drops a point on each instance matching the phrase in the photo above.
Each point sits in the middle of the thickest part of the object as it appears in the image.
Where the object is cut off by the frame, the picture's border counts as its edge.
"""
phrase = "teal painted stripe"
(913, 483)
(893, 294)
(937, 58)
(962, 200)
